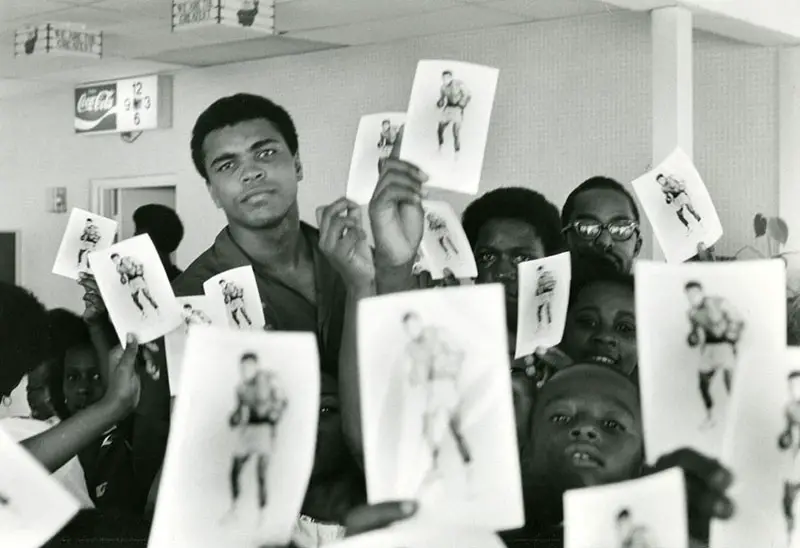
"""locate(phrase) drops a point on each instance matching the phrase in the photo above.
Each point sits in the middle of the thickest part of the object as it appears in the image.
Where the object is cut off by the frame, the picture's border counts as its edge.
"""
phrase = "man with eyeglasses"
(601, 220)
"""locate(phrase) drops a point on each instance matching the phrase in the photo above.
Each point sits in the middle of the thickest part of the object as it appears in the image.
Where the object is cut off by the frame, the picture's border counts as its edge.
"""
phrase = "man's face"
(601, 327)
(694, 295)
(661, 180)
(252, 174)
(586, 430)
(82, 383)
(116, 259)
(331, 449)
(249, 368)
(500, 246)
(413, 326)
(385, 126)
(447, 78)
(604, 206)
(38, 394)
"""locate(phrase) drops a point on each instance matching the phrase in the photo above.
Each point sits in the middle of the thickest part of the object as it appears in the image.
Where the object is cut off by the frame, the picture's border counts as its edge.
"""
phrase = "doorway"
(118, 198)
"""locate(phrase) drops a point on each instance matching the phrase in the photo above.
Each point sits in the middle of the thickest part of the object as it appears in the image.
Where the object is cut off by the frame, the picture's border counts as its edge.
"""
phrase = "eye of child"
(586, 320)
(612, 424)
(626, 327)
(486, 258)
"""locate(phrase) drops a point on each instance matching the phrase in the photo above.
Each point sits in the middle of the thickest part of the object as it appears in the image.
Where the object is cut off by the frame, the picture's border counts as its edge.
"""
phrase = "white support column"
(789, 143)
(673, 86)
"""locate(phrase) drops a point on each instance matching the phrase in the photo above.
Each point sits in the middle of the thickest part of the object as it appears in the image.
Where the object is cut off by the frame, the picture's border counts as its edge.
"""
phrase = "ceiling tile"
(547, 9)
(451, 20)
(158, 9)
(248, 50)
(315, 14)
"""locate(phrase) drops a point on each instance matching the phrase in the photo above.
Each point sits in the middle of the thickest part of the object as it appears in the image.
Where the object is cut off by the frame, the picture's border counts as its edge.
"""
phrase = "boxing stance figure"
(453, 99)
(436, 365)
(131, 273)
(234, 301)
(715, 328)
(675, 193)
(89, 239)
(260, 404)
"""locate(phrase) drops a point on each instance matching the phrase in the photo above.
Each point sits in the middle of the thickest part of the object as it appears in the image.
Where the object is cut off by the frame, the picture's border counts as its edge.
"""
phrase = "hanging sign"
(247, 14)
(58, 39)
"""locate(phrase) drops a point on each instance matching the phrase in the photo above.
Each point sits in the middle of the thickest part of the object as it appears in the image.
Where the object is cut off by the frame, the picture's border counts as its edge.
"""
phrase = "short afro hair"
(24, 335)
(596, 183)
(522, 204)
(67, 331)
(232, 110)
(589, 271)
(162, 224)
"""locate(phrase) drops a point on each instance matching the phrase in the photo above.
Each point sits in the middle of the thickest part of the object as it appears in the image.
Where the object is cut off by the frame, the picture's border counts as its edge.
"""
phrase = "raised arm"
(56, 446)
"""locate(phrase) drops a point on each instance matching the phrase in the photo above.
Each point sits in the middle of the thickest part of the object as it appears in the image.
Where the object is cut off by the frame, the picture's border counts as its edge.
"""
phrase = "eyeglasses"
(619, 231)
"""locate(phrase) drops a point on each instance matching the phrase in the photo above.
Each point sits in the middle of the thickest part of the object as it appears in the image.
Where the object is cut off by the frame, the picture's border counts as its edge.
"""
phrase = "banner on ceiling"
(58, 39)
(248, 14)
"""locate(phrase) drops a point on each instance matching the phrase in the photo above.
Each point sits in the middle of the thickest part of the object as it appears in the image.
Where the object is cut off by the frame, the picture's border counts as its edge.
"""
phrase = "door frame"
(99, 187)
(17, 253)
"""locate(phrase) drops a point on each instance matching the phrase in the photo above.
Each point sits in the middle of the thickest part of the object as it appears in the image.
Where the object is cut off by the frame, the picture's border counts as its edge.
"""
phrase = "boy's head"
(24, 335)
(447, 77)
(586, 430)
(246, 148)
(38, 392)
(75, 382)
(601, 319)
(162, 224)
(385, 124)
(661, 179)
(601, 219)
(508, 226)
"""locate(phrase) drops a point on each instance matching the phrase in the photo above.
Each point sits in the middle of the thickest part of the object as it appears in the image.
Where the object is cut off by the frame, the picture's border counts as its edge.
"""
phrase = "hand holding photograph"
(34, 506)
(136, 289)
(679, 207)
(447, 124)
(542, 304)
(760, 449)
(85, 233)
(709, 315)
(437, 412)
(236, 292)
(375, 140)
(240, 456)
(649, 512)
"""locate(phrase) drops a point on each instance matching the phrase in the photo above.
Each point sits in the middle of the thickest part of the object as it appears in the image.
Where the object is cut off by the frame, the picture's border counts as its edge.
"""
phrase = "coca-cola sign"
(96, 108)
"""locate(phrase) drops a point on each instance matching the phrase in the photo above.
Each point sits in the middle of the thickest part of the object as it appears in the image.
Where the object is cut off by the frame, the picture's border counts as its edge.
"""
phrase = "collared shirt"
(285, 308)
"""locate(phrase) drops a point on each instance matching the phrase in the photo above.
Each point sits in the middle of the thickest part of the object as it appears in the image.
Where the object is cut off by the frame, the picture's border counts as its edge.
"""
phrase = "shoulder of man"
(190, 281)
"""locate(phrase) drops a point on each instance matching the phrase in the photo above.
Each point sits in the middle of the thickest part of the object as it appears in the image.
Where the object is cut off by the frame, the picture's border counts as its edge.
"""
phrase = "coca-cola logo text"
(100, 102)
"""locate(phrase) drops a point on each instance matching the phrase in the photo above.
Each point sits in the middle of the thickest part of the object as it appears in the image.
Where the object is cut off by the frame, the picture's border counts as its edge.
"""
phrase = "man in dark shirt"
(246, 149)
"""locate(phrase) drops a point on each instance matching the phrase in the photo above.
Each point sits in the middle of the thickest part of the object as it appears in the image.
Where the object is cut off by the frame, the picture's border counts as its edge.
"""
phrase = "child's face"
(83, 385)
(586, 429)
(604, 205)
(331, 448)
(601, 327)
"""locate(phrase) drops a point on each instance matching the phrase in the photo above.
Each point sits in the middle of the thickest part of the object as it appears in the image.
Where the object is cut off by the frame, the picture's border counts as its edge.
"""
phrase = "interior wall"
(573, 101)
